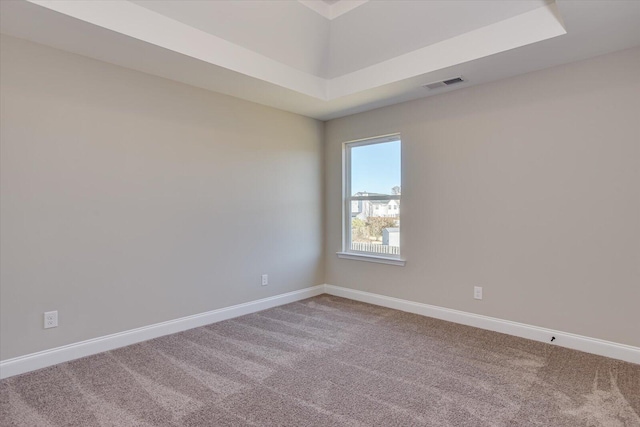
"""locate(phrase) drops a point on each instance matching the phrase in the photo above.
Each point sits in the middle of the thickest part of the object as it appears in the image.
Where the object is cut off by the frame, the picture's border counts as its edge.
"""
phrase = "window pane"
(375, 226)
(375, 169)
(374, 222)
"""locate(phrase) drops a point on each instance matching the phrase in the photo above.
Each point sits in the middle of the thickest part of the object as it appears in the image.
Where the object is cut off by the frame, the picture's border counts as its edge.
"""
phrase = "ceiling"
(331, 9)
(324, 58)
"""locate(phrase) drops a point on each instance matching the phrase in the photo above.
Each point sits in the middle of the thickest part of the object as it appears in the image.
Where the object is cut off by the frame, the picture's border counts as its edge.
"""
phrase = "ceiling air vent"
(444, 83)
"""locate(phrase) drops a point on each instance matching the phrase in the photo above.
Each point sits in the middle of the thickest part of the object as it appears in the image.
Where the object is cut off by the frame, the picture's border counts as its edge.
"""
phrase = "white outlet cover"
(477, 292)
(265, 279)
(50, 319)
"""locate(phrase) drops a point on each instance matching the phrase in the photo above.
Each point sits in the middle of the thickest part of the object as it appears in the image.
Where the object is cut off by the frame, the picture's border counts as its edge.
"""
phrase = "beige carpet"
(328, 361)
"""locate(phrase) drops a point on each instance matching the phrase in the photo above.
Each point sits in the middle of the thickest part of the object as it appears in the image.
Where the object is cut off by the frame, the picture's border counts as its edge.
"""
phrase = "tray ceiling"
(286, 55)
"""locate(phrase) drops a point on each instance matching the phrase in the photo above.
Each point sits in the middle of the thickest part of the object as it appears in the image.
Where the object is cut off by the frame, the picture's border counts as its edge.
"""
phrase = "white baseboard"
(563, 339)
(42, 359)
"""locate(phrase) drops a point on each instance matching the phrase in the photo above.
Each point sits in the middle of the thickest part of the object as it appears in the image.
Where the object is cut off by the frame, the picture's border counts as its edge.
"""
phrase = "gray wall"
(128, 199)
(529, 187)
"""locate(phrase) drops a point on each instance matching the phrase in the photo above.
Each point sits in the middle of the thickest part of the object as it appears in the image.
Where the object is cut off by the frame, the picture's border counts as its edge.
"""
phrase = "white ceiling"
(331, 9)
(326, 65)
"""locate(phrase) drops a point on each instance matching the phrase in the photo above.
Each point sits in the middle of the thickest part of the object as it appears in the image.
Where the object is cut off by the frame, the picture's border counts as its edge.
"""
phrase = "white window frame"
(347, 198)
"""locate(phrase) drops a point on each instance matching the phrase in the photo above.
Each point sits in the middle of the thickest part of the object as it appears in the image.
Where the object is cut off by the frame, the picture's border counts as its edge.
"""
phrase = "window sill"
(372, 258)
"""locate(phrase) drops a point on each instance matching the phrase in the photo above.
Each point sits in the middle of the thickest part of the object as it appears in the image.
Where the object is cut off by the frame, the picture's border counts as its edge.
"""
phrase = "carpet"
(329, 361)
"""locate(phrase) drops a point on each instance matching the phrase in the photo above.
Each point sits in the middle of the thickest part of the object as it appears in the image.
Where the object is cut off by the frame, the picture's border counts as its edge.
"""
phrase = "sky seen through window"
(375, 168)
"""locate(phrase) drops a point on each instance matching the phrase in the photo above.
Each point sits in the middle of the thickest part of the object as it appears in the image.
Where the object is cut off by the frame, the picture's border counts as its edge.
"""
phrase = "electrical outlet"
(265, 279)
(50, 319)
(477, 292)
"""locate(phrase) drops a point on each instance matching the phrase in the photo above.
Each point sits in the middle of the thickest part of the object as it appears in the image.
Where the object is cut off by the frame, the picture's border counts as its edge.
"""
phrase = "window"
(372, 200)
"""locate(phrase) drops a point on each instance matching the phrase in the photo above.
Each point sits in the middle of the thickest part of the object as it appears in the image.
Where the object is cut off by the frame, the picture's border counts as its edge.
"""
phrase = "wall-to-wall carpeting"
(329, 361)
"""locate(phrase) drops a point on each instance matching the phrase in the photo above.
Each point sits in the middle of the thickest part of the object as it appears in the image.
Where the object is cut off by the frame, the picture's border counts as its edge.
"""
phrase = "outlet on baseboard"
(265, 279)
(477, 292)
(50, 319)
